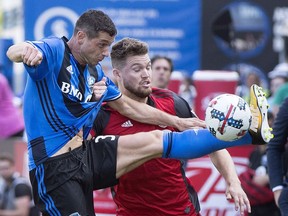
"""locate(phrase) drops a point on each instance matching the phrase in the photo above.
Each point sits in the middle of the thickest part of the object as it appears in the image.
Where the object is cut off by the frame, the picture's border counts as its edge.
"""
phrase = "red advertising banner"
(209, 84)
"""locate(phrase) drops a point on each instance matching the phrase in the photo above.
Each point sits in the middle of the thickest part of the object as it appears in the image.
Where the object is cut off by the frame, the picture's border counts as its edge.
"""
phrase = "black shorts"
(64, 184)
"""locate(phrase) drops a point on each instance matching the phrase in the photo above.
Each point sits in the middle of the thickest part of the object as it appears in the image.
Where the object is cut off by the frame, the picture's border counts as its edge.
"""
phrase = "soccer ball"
(228, 117)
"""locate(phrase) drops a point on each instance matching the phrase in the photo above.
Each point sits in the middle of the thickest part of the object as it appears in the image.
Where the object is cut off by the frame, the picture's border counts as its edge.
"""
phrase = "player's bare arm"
(225, 165)
(146, 114)
(26, 53)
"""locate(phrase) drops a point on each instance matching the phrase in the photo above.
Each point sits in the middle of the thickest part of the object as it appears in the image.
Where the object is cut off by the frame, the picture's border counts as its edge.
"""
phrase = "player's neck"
(136, 98)
(75, 52)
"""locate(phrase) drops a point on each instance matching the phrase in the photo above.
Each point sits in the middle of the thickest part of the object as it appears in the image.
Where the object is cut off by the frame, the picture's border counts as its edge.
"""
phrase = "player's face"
(161, 73)
(93, 51)
(276, 83)
(136, 76)
(6, 169)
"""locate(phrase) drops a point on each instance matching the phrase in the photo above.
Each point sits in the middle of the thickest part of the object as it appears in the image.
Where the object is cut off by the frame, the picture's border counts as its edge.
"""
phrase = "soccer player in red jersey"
(159, 186)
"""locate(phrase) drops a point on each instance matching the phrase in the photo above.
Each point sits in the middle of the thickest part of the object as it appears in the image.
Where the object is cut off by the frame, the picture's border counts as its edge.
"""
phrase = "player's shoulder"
(106, 112)
(171, 99)
(162, 93)
(50, 44)
(106, 108)
(52, 41)
(102, 117)
(99, 69)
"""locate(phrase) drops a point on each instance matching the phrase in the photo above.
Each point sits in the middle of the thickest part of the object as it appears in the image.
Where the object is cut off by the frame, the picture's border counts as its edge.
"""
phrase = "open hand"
(240, 198)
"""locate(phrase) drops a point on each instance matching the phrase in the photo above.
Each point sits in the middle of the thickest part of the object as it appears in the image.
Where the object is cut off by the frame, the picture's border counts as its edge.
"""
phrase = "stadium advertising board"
(171, 28)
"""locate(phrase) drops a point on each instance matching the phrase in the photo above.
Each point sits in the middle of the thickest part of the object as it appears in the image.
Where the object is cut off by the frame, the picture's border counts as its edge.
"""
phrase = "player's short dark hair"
(94, 21)
(125, 48)
(169, 60)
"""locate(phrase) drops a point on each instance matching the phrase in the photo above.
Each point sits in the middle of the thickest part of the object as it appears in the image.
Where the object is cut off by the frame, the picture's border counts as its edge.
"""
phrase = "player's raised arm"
(26, 53)
(225, 165)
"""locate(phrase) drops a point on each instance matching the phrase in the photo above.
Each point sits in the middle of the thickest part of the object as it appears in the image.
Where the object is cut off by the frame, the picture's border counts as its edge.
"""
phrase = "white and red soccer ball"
(228, 117)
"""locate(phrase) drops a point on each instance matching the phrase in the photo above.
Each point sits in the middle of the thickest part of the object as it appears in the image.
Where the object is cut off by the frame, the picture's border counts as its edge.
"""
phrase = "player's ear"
(81, 36)
(116, 73)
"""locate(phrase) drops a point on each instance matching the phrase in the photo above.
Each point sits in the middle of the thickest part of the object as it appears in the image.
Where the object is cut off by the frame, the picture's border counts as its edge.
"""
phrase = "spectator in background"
(280, 95)
(187, 91)
(16, 192)
(243, 90)
(278, 76)
(162, 68)
(277, 157)
(11, 119)
(282, 91)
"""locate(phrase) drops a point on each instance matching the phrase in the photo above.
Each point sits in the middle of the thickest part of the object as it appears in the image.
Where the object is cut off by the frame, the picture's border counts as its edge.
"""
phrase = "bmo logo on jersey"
(70, 89)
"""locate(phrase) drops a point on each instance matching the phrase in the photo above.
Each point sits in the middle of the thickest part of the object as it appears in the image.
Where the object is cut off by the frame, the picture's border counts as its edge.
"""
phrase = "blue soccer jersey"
(57, 99)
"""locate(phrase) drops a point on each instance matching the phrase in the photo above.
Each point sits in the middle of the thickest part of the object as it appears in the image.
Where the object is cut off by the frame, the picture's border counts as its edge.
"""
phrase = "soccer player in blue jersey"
(59, 107)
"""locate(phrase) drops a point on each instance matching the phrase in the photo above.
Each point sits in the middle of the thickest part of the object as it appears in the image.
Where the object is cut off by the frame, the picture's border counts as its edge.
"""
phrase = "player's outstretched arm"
(26, 53)
(146, 114)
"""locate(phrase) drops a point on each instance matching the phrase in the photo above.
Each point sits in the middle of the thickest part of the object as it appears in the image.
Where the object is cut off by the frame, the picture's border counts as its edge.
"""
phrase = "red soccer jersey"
(159, 186)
